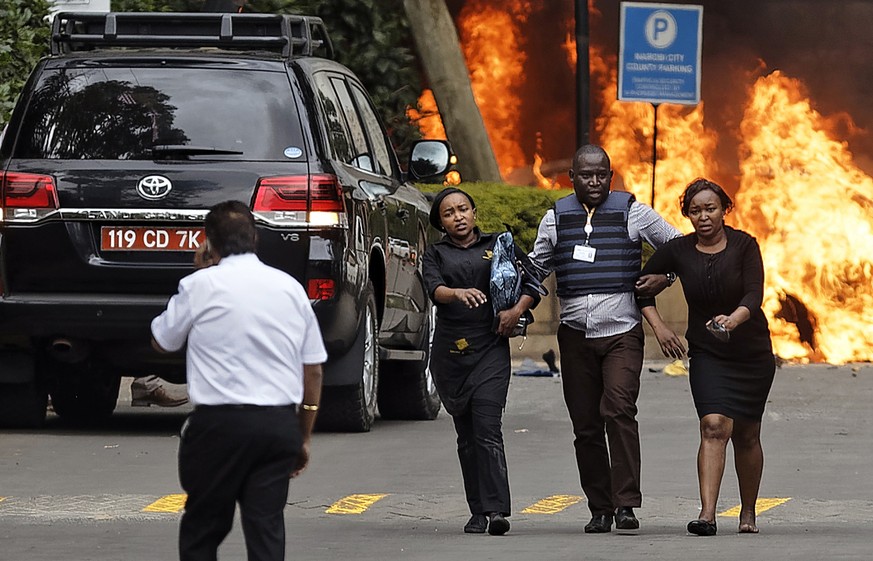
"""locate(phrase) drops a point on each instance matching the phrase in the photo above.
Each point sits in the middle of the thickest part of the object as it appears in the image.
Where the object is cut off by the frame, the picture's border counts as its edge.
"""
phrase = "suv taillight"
(29, 190)
(312, 193)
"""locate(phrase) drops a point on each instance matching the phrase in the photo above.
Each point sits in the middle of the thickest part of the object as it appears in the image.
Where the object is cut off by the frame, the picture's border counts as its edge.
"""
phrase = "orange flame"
(427, 117)
(685, 147)
(492, 44)
(809, 206)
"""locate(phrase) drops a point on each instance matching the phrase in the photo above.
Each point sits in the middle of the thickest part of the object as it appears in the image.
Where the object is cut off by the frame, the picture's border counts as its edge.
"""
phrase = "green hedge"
(521, 208)
(499, 205)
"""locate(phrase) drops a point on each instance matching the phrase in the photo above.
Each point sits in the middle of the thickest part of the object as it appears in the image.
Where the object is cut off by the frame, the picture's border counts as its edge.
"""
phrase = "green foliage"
(373, 39)
(499, 205)
(157, 5)
(24, 39)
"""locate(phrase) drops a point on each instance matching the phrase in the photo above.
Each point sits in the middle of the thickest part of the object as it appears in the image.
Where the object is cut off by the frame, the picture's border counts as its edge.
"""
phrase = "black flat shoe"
(625, 519)
(600, 524)
(498, 525)
(702, 527)
(476, 524)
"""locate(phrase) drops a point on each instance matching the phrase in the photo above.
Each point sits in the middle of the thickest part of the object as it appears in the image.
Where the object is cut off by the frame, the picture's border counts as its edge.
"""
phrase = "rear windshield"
(158, 113)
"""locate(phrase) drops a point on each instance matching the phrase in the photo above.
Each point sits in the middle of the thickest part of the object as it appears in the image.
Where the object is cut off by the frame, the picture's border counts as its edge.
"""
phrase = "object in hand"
(719, 331)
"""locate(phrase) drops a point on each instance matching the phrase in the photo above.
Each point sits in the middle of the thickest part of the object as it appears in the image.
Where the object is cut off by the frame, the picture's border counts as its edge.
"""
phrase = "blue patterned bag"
(505, 277)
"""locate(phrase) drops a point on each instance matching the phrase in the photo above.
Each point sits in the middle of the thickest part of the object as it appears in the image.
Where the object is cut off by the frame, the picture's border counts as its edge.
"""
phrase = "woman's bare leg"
(715, 431)
(749, 461)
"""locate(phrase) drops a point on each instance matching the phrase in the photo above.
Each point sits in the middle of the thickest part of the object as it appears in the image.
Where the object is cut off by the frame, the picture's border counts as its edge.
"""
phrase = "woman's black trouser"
(480, 448)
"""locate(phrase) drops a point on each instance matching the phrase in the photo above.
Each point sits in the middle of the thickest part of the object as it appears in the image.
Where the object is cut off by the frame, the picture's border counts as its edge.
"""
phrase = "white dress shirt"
(250, 329)
(602, 315)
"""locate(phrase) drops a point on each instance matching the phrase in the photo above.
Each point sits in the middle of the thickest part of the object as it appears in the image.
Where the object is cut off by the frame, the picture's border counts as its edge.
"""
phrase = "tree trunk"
(440, 52)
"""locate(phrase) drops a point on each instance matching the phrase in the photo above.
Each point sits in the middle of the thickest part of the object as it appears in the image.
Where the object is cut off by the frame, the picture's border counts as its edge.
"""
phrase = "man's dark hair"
(699, 185)
(588, 150)
(230, 228)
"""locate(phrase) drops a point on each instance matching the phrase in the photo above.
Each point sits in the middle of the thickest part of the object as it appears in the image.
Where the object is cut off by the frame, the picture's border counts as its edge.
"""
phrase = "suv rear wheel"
(352, 407)
(22, 405)
(83, 392)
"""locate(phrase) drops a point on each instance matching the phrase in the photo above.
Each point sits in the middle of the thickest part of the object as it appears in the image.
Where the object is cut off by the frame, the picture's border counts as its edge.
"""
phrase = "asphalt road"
(396, 493)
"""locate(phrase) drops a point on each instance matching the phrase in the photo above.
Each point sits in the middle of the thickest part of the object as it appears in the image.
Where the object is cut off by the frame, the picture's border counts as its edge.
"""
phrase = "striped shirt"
(601, 315)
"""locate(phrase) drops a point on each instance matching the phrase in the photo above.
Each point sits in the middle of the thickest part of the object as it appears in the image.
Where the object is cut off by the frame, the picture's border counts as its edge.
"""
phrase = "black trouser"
(601, 381)
(480, 449)
(231, 454)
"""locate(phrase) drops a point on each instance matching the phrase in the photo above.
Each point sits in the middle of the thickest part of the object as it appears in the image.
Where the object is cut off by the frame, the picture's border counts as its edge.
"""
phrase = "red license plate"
(147, 238)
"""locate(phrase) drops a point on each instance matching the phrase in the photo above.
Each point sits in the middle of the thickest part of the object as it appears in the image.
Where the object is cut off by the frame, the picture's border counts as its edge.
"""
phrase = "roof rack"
(290, 35)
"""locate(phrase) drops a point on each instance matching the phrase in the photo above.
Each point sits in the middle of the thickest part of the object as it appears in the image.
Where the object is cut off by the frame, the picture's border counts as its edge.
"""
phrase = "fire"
(809, 206)
(685, 146)
(493, 48)
(427, 117)
(799, 190)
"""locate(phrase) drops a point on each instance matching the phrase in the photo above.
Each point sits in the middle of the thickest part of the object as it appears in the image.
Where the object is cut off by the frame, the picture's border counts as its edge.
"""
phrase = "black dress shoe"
(600, 524)
(497, 524)
(702, 527)
(625, 519)
(476, 524)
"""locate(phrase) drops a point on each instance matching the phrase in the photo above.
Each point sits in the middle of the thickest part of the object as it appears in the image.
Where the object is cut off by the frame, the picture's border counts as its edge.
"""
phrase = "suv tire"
(22, 406)
(82, 392)
(352, 408)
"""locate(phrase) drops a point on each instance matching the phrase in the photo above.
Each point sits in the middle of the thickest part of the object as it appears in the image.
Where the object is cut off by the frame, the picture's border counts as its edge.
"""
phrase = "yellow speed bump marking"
(167, 503)
(552, 505)
(760, 506)
(354, 504)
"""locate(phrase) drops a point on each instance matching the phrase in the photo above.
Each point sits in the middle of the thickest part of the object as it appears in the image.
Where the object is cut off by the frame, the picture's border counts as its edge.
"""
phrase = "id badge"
(584, 253)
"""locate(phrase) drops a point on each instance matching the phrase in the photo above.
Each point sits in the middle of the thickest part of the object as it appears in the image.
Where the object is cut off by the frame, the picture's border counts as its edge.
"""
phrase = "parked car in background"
(121, 141)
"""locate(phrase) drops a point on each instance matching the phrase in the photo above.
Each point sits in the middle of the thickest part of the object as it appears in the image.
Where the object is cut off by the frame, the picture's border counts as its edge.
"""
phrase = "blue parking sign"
(660, 52)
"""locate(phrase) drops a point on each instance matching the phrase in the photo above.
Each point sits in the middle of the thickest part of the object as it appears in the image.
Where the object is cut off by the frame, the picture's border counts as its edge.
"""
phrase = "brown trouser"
(601, 381)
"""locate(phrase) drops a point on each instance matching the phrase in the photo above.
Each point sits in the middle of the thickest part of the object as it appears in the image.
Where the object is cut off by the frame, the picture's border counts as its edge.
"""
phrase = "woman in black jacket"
(470, 358)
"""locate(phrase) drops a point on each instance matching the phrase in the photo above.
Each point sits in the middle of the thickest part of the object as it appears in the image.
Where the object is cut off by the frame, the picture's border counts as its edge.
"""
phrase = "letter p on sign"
(661, 29)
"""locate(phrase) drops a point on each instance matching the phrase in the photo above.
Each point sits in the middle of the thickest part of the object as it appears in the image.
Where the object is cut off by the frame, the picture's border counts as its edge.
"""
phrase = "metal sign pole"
(654, 151)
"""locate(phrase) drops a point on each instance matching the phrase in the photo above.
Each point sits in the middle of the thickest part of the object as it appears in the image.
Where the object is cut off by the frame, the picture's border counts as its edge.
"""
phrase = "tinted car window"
(121, 113)
(338, 134)
(374, 130)
(362, 158)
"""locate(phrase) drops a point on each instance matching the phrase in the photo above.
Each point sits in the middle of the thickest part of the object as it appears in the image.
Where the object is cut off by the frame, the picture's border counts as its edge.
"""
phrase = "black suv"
(120, 142)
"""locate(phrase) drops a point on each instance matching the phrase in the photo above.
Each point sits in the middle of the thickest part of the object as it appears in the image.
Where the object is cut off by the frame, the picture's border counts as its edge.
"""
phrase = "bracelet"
(306, 407)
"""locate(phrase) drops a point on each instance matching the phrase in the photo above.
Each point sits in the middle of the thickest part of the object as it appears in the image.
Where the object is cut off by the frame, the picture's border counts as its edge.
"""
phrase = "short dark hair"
(590, 150)
(437, 201)
(230, 228)
(701, 184)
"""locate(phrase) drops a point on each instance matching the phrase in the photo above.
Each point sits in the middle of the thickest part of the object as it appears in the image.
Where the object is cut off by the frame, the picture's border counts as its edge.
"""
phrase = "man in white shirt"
(254, 355)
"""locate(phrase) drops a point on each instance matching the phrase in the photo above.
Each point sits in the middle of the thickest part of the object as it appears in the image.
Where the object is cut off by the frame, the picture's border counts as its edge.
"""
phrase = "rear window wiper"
(187, 150)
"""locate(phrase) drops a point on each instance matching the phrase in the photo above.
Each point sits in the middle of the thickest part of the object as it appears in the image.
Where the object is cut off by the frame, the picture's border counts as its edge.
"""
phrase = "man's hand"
(302, 460)
(649, 286)
(671, 344)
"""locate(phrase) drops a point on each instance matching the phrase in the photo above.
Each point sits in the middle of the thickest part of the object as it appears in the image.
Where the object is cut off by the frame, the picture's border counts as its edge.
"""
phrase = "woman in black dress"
(469, 358)
(730, 356)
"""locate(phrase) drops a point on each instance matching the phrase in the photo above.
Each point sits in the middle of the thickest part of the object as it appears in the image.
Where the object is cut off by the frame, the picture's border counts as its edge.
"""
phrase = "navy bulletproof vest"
(617, 262)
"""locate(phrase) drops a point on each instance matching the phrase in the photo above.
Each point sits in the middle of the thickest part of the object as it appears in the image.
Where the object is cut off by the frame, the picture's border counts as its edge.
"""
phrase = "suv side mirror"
(429, 158)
